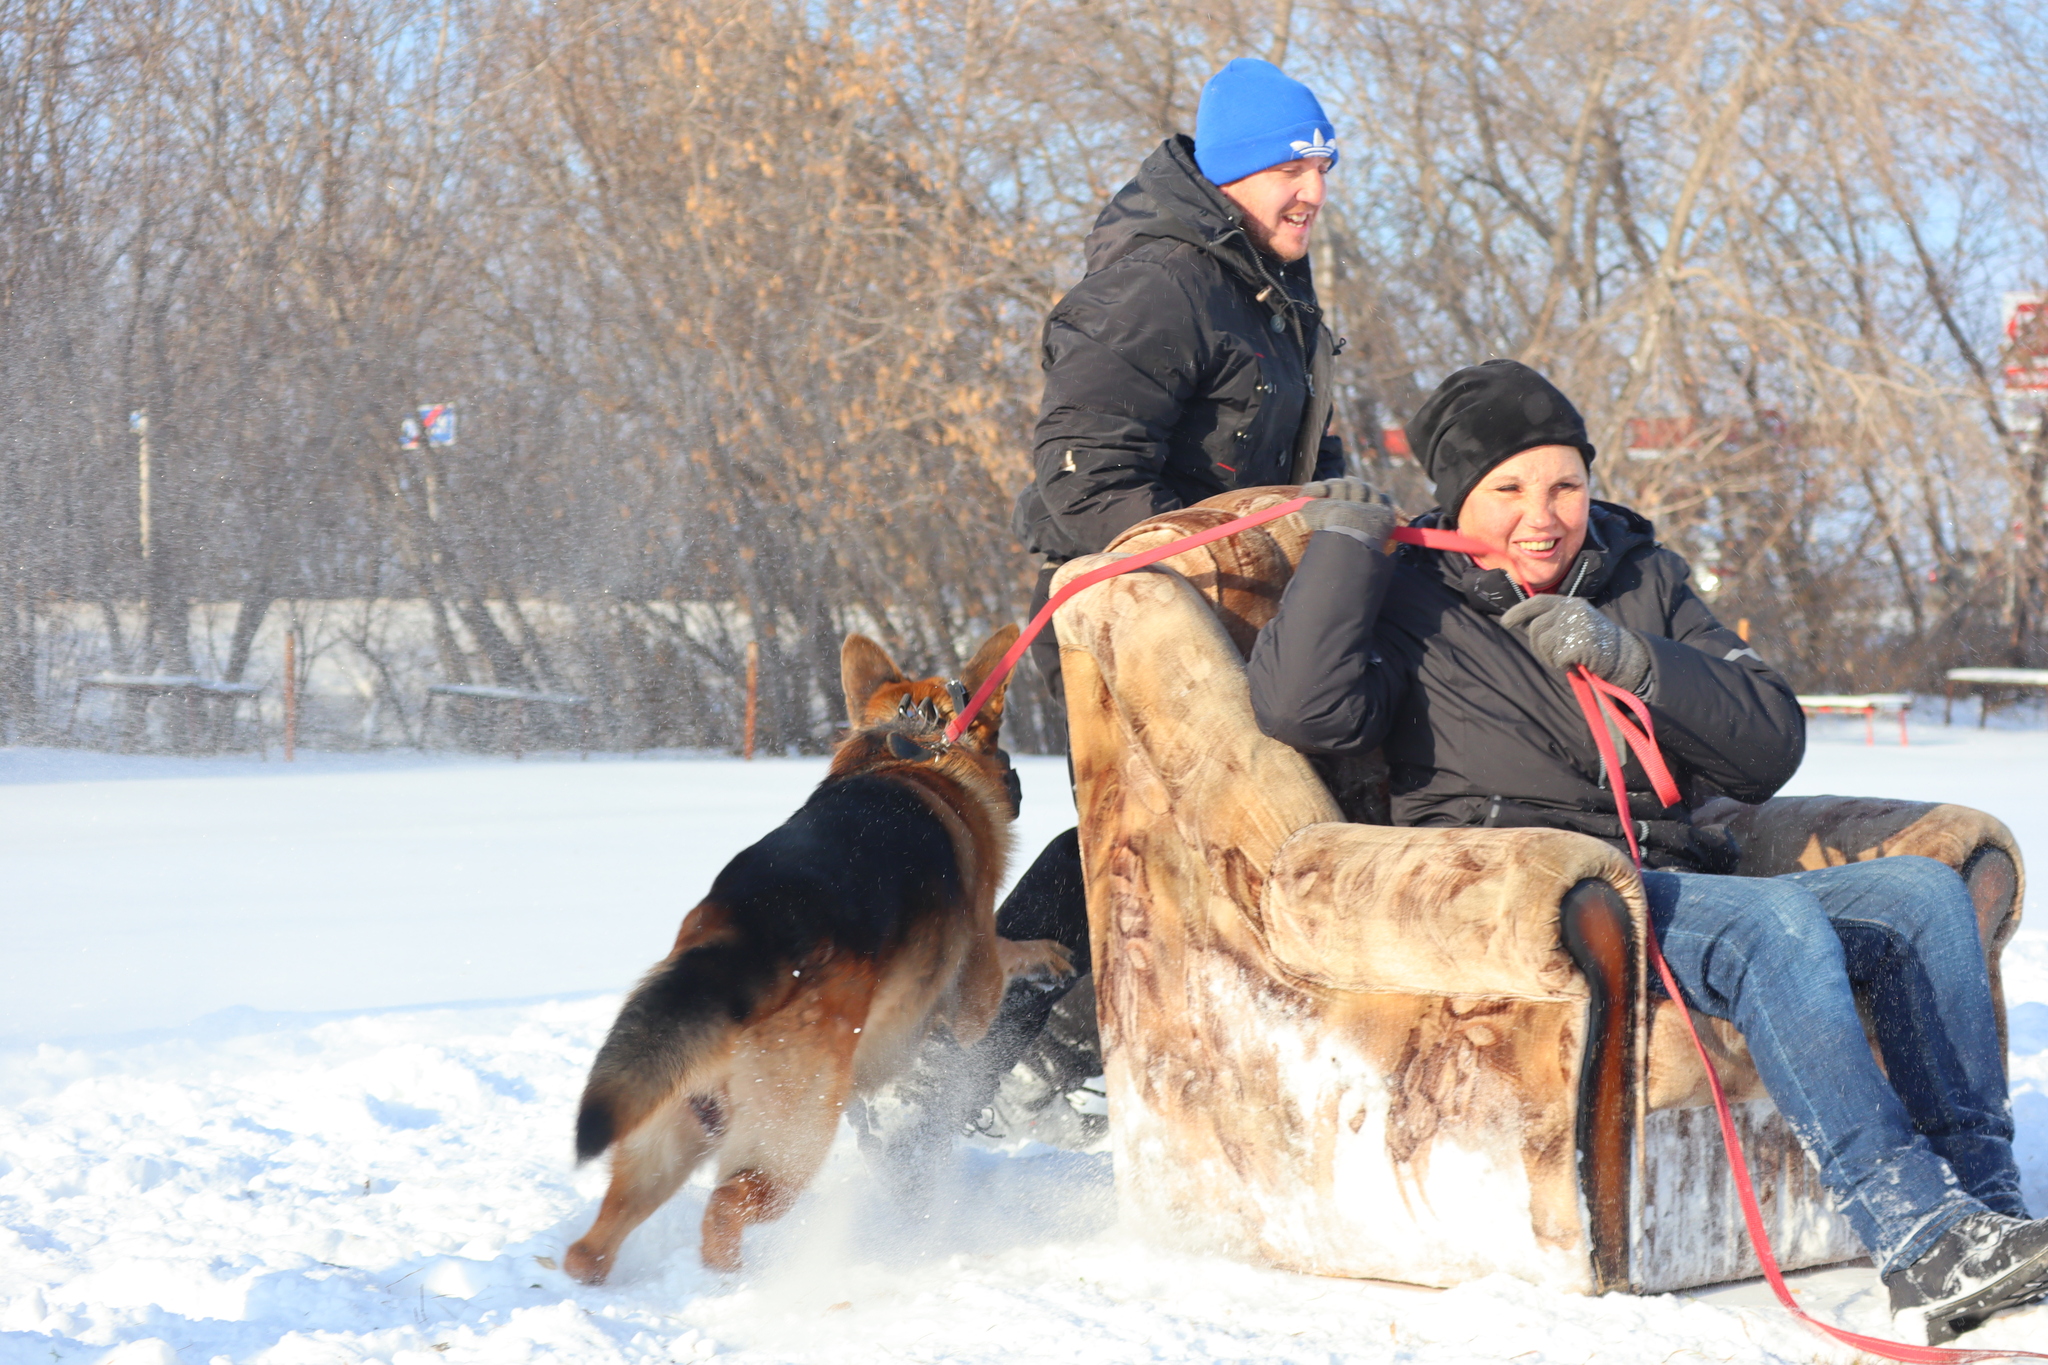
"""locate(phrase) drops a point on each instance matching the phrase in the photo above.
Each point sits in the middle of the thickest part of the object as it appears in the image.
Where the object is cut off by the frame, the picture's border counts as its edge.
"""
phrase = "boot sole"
(2022, 1284)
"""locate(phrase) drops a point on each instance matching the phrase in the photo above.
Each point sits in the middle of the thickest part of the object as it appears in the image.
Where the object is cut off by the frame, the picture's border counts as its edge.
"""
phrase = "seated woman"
(1458, 674)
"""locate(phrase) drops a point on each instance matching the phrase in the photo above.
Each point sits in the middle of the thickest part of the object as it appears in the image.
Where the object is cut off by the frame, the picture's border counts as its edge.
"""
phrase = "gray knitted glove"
(1564, 631)
(1349, 506)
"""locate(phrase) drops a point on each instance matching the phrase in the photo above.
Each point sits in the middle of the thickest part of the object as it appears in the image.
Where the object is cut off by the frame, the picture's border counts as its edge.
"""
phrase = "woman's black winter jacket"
(1407, 654)
(1184, 364)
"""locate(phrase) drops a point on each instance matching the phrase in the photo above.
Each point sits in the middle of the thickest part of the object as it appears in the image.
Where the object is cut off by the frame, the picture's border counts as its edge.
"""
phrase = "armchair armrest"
(1801, 833)
(1475, 935)
(1446, 912)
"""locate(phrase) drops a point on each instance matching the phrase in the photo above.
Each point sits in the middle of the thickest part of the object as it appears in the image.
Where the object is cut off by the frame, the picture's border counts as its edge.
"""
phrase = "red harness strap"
(1597, 698)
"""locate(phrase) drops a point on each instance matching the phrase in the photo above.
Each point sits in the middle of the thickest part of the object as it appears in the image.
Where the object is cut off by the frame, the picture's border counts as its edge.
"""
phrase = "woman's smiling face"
(1534, 508)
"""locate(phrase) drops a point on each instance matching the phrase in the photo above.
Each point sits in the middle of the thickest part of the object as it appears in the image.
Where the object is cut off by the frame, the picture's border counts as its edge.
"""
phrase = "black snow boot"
(907, 1127)
(1052, 1094)
(1983, 1264)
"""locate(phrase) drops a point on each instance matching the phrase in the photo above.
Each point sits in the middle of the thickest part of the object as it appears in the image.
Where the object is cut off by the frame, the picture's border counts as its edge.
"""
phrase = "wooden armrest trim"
(1594, 924)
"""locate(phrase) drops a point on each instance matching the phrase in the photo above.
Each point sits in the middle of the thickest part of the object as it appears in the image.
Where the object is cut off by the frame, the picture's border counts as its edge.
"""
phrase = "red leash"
(1596, 699)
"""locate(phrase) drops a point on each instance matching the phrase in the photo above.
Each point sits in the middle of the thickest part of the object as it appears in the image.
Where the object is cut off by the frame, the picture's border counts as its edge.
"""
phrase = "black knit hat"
(1483, 415)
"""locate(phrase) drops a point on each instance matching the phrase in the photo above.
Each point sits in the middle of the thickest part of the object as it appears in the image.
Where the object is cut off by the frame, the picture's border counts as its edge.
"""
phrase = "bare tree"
(740, 306)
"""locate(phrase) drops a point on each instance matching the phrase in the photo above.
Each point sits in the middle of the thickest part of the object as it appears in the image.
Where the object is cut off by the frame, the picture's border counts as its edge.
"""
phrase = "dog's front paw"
(583, 1262)
(1040, 962)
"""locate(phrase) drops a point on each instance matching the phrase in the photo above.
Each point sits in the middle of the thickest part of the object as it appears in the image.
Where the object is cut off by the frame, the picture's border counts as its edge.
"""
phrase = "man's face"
(1534, 507)
(1280, 204)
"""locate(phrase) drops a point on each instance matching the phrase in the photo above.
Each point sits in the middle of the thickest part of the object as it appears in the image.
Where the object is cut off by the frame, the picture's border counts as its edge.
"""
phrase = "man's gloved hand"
(1351, 506)
(1564, 631)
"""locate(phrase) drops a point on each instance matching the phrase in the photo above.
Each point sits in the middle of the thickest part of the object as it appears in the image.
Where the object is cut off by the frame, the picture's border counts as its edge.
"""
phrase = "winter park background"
(290, 1061)
(736, 306)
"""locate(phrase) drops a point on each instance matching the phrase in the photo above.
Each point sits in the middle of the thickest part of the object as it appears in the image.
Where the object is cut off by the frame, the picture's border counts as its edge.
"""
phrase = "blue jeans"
(1785, 960)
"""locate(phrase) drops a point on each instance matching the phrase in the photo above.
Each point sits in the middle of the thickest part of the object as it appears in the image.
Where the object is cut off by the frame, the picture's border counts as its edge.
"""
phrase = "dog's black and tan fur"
(815, 967)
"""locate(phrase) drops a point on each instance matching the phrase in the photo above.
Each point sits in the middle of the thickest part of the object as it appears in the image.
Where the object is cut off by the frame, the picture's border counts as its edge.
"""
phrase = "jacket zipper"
(1303, 345)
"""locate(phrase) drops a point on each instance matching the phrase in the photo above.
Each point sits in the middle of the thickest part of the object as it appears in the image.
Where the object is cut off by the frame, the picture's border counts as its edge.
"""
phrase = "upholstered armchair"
(1412, 1054)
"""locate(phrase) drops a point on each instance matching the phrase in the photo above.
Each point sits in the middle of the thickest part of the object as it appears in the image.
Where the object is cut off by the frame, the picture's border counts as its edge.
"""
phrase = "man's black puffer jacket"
(1184, 364)
(1407, 653)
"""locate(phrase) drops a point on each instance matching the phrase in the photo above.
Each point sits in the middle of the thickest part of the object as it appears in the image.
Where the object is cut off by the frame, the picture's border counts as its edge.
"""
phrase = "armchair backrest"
(1169, 764)
(1242, 576)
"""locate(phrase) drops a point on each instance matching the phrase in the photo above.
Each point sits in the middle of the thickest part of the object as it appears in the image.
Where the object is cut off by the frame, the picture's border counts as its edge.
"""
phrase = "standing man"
(1191, 359)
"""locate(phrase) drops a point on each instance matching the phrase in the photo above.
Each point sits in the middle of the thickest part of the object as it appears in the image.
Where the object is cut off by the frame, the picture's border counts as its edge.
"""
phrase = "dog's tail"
(674, 1021)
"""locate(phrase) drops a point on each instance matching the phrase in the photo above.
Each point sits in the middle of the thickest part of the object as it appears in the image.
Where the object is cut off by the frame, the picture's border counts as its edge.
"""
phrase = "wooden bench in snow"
(1866, 705)
(518, 700)
(1986, 679)
(201, 702)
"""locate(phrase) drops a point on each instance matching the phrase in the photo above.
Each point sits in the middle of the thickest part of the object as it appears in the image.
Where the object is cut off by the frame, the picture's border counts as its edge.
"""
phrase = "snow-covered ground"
(239, 1123)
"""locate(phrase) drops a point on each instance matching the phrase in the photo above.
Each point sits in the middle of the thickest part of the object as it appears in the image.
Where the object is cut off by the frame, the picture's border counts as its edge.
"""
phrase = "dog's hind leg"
(760, 1179)
(749, 1196)
(648, 1165)
(791, 1076)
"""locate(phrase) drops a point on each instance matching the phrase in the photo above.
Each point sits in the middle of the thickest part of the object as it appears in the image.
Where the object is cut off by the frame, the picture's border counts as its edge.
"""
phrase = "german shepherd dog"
(816, 966)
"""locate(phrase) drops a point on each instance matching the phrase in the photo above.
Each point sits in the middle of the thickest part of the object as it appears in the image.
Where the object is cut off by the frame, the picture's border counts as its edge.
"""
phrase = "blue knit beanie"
(1253, 116)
